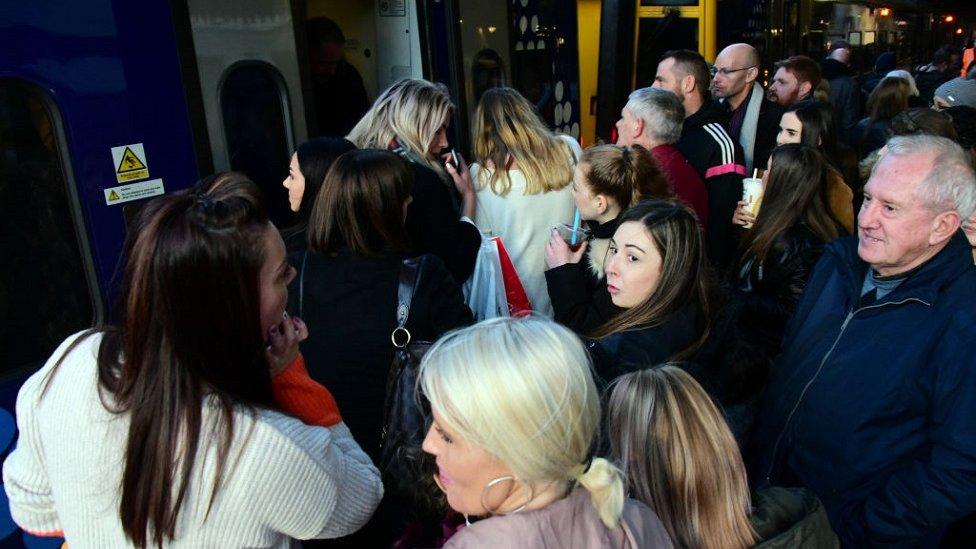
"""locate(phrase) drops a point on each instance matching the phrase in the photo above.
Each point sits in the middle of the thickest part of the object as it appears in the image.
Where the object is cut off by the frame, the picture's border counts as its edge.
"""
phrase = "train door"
(351, 51)
(529, 45)
(634, 35)
(250, 89)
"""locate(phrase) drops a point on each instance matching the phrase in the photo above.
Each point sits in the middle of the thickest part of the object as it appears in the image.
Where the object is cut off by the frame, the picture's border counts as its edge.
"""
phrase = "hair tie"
(589, 462)
(626, 154)
(206, 201)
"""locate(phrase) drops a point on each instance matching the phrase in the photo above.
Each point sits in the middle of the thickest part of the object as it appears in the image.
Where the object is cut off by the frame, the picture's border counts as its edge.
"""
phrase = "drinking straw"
(576, 227)
(755, 173)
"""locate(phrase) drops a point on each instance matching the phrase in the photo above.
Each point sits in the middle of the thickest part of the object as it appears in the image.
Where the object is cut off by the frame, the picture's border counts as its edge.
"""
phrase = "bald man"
(845, 93)
(753, 119)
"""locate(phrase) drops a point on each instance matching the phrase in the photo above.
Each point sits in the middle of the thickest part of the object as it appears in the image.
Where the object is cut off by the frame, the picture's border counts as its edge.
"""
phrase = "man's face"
(731, 75)
(628, 128)
(667, 79)
(785, 88)
(894, 226)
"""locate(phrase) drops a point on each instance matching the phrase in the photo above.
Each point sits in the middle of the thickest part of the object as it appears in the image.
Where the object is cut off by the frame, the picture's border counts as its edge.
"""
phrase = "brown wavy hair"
(188, 331)
(680, 458)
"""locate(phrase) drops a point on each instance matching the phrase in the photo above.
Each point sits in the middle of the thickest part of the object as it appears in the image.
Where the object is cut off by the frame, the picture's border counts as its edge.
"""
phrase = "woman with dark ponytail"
(608, 180)
(191, 417)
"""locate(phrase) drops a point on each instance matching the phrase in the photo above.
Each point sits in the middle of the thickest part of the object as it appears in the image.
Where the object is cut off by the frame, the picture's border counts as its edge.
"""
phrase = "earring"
(492, 483)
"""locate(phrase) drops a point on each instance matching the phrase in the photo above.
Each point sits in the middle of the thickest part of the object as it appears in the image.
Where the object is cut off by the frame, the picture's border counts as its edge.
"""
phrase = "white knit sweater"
(284, 479)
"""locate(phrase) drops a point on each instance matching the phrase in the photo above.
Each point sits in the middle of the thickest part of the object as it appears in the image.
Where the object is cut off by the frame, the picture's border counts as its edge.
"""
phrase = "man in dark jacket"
(845, 94)
(753, 119)
(872, 404)
(707, 145)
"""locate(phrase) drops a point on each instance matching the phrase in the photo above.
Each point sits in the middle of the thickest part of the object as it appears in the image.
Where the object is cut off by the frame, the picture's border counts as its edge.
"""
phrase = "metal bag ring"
(406, 334)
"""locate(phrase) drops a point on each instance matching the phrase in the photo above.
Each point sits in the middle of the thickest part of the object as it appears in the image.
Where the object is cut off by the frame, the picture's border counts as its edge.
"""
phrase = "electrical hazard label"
(129, 162)
(134, 191)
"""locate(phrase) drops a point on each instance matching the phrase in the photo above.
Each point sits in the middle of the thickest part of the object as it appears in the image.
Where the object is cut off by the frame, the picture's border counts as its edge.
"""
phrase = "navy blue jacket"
(874, 408)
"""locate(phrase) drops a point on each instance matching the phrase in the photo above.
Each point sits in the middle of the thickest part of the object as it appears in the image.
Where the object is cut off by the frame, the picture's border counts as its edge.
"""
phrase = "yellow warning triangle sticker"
(113, 196)
(130, 163)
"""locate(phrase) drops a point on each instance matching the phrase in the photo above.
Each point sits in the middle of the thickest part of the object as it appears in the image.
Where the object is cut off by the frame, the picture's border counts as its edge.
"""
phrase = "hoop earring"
(496, 481)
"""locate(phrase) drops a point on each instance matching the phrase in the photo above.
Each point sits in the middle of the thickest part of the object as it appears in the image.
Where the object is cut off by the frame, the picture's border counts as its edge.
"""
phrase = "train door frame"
(619, 35)
(442, 61)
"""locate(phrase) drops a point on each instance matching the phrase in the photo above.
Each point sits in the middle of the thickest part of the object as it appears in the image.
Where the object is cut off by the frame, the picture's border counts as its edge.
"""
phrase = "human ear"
(602, 203)
(805, 88)
(688, 84)
(943, 227)
(638, 127)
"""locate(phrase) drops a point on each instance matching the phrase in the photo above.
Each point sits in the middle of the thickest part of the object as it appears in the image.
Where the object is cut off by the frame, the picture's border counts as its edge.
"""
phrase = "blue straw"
(576, 227)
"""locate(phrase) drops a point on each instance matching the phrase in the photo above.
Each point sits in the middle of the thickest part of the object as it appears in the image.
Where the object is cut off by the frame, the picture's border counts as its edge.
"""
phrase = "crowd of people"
(696, 372)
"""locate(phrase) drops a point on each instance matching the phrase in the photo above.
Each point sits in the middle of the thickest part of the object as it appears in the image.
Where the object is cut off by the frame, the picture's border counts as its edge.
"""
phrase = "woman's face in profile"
(633, 265)
(295, 183)
(273, 281)
(464, 472)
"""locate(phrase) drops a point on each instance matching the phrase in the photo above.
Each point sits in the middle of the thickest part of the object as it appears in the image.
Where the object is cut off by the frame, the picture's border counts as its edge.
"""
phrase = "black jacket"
(845, 96)
(770, 115)
(625, 352)
(578, 291)
(718, 160)
(867, 139)
(349, 304)
(747, 334)
(434, 225)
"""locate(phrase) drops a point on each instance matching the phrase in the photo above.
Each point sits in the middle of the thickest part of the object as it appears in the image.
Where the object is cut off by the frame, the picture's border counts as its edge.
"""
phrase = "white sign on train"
(134, 191)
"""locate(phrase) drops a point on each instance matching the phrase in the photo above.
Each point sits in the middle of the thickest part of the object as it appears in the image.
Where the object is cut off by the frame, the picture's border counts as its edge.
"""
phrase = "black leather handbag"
(404, 465)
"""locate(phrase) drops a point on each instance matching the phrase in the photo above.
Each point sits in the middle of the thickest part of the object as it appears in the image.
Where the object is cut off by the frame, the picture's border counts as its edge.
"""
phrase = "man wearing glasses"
(753, 119)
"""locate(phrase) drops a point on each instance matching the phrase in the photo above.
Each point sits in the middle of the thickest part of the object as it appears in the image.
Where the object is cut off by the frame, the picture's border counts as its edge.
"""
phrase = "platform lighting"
(949, 18)
(958, 31)
(884, 12)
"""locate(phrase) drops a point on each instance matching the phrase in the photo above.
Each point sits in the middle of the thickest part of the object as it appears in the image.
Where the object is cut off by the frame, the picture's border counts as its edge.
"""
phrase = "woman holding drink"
(775, 258)
(607, 181)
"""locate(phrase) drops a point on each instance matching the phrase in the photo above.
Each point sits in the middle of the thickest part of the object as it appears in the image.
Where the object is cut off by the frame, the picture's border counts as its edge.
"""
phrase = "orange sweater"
(301, 396)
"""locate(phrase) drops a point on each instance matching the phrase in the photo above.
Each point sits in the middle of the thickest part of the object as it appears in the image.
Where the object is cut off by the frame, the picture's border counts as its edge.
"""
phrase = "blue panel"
(112, 68)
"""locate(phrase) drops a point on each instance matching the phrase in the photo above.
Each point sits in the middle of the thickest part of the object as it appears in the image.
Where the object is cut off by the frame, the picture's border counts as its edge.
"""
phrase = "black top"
(632, 350)
(435, 227)
(349, 304)
(340, 100)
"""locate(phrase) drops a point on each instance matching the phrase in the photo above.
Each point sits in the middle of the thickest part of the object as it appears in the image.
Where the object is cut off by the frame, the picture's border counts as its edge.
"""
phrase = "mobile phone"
(455, 158)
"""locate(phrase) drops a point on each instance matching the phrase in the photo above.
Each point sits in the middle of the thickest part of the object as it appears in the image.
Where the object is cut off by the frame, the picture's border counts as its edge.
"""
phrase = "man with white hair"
(653, 118)
(872, 404)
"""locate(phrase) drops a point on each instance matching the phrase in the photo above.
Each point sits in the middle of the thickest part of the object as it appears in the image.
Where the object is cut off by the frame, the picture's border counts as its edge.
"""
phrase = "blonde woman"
(523, 175)
(411, 119)
(680, 458)
(515, 419)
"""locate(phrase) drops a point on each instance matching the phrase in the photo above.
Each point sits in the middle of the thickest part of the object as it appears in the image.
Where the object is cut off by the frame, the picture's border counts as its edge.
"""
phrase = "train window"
(257, 126)
(46, 288)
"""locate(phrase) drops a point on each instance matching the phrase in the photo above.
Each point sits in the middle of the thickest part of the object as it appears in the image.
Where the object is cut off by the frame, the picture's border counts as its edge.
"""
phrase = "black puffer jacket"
(746, 336)
(791, 518)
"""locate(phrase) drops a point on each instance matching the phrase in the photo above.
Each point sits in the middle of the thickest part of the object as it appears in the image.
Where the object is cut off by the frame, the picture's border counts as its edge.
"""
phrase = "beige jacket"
(570, 523)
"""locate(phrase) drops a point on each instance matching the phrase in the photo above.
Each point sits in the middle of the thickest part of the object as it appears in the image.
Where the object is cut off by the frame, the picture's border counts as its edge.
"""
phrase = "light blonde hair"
(680, 458)
(522, 390)
(506, 124)
(412, 111)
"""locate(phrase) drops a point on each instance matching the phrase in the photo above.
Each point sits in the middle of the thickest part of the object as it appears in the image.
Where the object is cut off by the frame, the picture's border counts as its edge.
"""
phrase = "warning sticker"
(134, 191)
(129, 162)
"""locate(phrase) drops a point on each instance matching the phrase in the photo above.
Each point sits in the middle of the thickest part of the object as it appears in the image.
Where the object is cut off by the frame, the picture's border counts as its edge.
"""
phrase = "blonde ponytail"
(605, 483)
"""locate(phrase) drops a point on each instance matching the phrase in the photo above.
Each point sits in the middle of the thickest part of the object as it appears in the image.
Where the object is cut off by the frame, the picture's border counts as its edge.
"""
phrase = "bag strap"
(409, 279)
(301, 286)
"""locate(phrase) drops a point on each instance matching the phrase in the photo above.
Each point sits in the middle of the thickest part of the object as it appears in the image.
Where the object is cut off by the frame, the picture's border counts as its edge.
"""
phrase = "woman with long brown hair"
(679, 458)
(177, 423)
(658, 280)
(775, 259)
